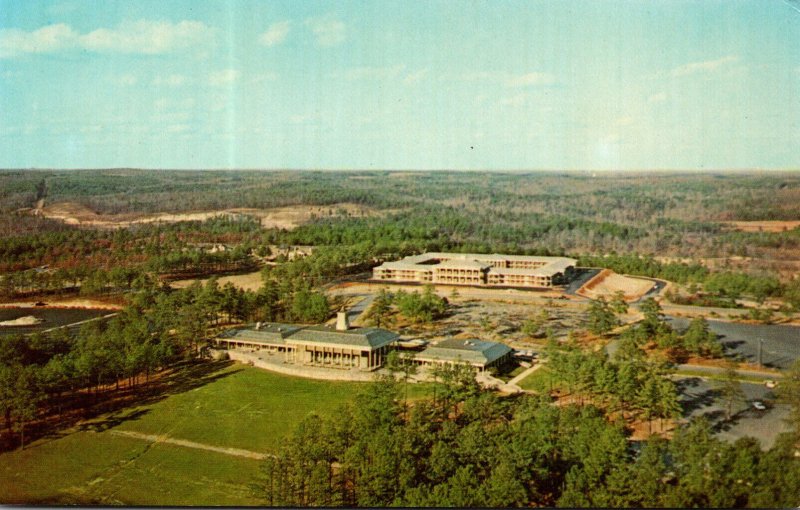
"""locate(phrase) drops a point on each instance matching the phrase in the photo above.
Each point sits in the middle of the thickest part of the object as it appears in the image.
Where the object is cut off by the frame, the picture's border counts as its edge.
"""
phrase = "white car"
(770, 384)
(759, 406)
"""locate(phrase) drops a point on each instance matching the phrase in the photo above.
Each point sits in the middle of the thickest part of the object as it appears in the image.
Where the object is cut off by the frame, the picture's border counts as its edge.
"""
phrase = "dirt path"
(237, 452)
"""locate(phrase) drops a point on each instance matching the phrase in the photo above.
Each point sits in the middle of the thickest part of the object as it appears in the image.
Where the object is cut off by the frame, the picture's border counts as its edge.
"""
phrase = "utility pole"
(760, 349)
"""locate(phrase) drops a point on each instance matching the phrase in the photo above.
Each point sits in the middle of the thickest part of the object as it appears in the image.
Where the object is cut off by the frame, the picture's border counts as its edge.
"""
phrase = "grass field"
(242, 407)
(538, 380)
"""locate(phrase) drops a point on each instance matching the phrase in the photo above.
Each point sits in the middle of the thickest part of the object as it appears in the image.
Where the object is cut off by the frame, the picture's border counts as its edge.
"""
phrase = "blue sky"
(663, 84)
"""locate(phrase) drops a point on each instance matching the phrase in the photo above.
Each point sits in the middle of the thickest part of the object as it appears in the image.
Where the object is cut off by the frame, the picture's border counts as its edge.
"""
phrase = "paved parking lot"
(781, 343)
(700, 397)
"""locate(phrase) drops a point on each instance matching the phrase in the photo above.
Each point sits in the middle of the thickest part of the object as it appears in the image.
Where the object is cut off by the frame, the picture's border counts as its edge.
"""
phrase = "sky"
(417, 84)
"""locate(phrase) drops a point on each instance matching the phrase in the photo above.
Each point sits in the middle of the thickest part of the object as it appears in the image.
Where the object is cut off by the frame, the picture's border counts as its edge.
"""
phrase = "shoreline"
(78, 304)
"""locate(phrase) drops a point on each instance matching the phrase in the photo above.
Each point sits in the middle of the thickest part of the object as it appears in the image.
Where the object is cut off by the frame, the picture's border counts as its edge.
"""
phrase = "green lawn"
(241, 407)
(538, 380)
(101, 468)
(246, 408)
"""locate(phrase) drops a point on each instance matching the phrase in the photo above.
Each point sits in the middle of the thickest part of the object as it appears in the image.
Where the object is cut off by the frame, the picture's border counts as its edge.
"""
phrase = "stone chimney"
(342, 324)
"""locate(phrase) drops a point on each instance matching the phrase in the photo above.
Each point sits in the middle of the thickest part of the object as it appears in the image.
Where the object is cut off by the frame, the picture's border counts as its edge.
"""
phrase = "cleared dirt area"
(286, 218)
(761, 226)
(249, 281)
(488, 314)
(607, 282)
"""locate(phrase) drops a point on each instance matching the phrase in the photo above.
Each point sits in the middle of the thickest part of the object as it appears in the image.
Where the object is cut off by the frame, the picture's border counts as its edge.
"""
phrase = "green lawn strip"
(60, 471)
(251, 409)
(418, 391)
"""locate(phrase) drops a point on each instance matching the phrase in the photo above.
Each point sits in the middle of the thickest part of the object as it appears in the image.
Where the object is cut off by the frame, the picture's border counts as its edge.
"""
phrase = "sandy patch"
(761, 226)
(249, 281)
(288, 218)
(607, 282)
(28, 320)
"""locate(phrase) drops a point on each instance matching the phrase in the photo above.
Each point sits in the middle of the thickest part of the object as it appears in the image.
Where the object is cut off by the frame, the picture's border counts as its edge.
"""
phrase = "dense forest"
(667, 226)
(466, 446)
(469, 448)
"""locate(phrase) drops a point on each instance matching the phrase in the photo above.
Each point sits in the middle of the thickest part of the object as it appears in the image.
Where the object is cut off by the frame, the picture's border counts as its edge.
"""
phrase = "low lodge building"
(478, 354)
(364, 349)
(478, 270)
(341, 347)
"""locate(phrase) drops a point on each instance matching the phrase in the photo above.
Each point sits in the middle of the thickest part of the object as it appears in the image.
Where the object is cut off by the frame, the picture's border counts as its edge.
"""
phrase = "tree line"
(476, 449)
(43, 374)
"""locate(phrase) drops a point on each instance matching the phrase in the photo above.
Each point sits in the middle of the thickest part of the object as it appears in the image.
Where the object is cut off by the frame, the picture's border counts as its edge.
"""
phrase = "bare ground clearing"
(250, 281)
(288, 218)
(607, 282)
(488, 314)
(761, 226)
(66, 303)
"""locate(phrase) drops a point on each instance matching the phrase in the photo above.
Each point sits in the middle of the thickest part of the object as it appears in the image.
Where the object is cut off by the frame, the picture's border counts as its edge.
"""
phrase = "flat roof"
(550, 265)
(465, 264)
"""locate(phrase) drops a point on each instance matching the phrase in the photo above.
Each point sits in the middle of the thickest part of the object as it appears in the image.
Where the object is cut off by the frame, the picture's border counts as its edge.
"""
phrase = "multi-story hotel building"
(479, 270)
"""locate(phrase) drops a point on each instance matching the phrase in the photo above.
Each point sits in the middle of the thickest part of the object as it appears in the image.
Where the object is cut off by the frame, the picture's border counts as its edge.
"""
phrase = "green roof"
(472, 351)
(373, 338)
(269, 333)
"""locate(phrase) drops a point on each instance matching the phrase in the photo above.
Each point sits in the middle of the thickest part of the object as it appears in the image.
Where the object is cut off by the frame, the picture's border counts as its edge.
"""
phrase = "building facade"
(478, 354)
(478, 270)
(321, 346)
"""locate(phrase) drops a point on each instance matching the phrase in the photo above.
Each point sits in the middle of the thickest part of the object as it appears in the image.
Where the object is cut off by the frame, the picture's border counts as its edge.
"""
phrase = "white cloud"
(328, 31)
(224, 77)
(531, 79)
(701, 67)
(173, 80)
(47, 39)
(136, 37)
(275, 34)
(147, 37)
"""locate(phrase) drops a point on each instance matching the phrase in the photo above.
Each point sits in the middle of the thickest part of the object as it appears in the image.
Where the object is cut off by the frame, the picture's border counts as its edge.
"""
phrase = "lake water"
(52, 317)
